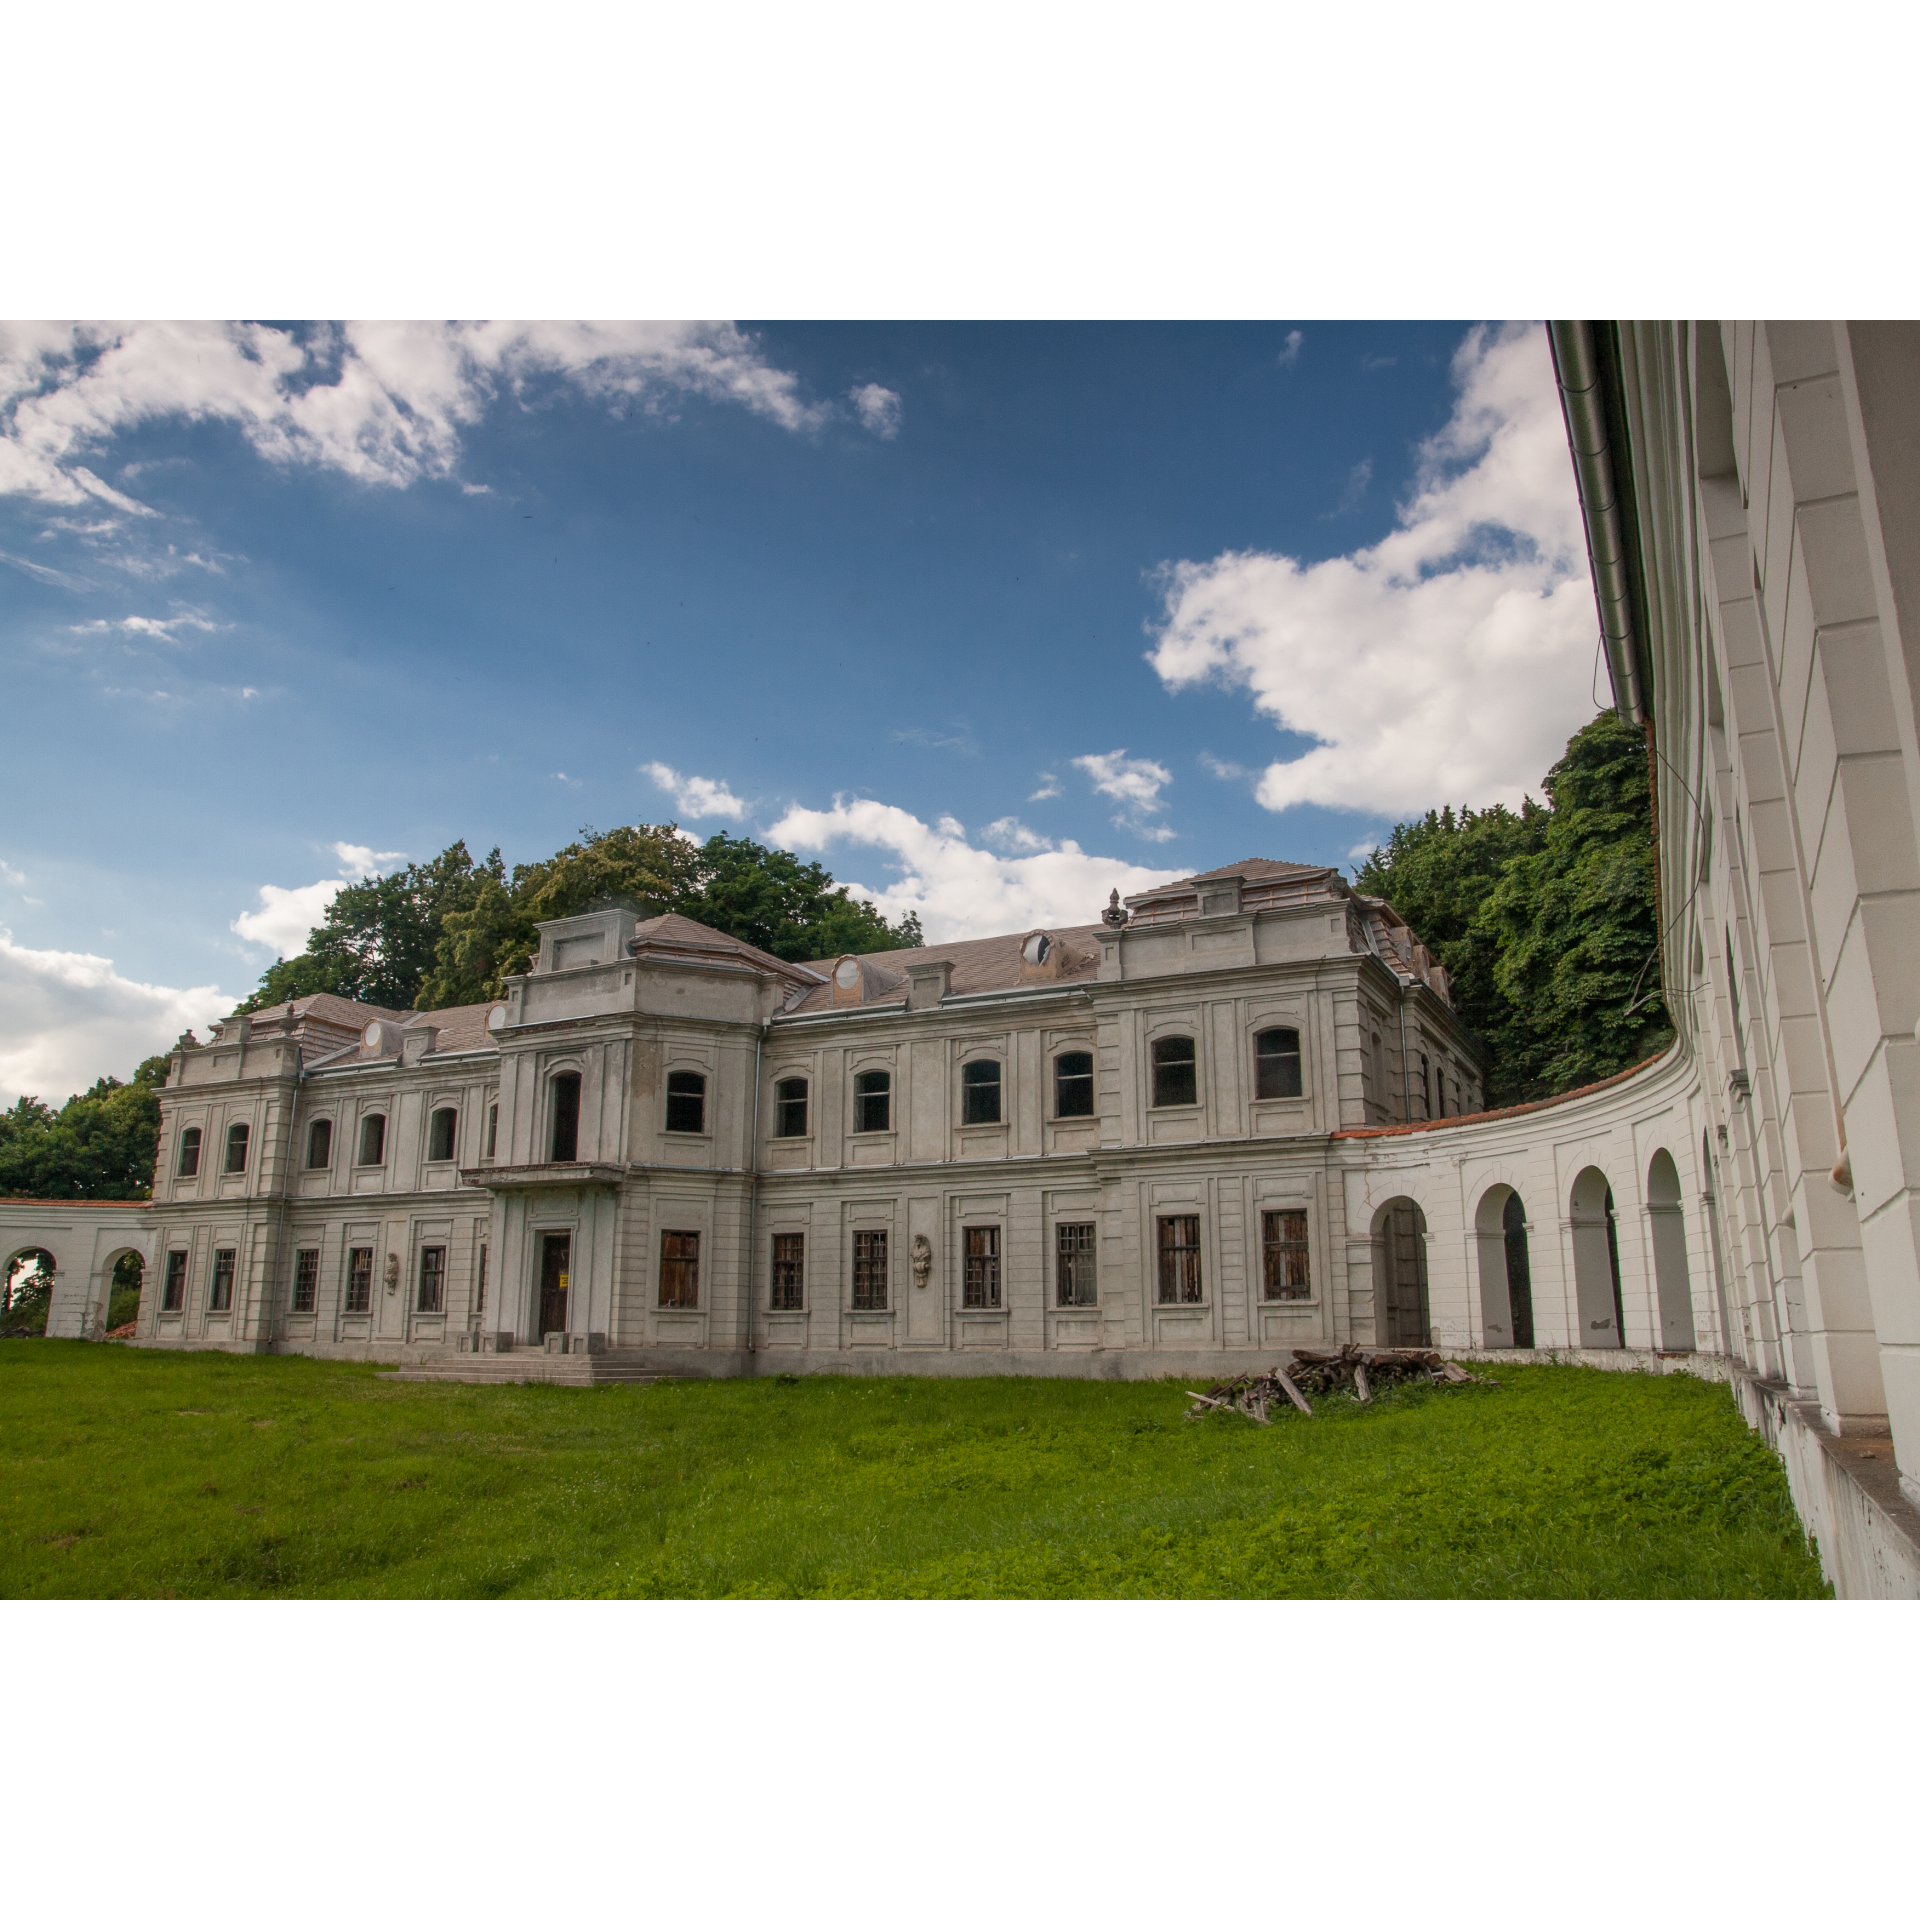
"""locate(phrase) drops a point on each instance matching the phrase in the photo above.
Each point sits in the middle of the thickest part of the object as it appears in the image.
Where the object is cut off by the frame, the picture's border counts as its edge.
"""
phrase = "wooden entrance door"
(556, 1250)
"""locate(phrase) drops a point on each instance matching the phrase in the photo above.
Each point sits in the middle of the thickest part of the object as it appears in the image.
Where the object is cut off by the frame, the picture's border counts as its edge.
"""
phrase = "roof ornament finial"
(1115, 915)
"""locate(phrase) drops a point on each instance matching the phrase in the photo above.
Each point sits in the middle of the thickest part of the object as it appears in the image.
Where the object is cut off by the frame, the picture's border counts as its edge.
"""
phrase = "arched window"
(566, 1117)
(189, 1153)
(1276, 1064)
(373, 1140)
(1072, 1086)
(320, 1145)
(872, 1101)
(980, 1093)
(237, 1147)
(686, 1103)
(440, 1132)
(1175, 1079)
(1513, 1228)
(790, 1109)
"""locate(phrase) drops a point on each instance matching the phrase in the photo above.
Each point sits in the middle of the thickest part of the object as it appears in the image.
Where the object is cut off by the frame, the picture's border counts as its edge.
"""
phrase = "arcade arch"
(1596, 1260)
(1668, 1223)
(1506, 1271)
(26, 1286)
(1401, 1307)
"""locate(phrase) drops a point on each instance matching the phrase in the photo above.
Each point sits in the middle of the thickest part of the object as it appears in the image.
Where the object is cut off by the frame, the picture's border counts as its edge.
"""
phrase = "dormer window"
(1276, 1064)
(190, 1153)
(1036, 949)
(1176, 1080)
(686, 1103)
(846, 976)
(980, 1093)
(237, 1147)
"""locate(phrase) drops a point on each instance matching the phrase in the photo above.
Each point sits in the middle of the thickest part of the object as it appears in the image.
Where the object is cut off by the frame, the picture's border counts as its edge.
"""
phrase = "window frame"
(1179, 1269)
(173, 1284)
(434, 1157)
(680, 1251)
(357, 1294)
(1279, 1059)
(306, 1280)
(239, 1139)
(787, 1277)
(784, 1105)
(226, 1261)
(431, 1265)
(1068, 1277)
(980, 1289)
(493, 1129)
(699, 1097)
(319, 1129)
(378, 1123)
(191, 1141)
(979, 1077)
(871, 1255)
(1157, 1066)
(862, 1095)
(1060, 1078)
(557, 1114)
(1286, 1259)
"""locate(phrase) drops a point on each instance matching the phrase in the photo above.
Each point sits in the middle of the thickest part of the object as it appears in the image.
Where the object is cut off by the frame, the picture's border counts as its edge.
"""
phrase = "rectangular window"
(869, 1272)
(480, 1280)
(980, 1093)
(789, 1272)
(1073, 1086)
(790, 1108)
(493, 1130)
(1179, 1259)
(1073, 1255)
(679, 1269)
(1283, 1254)
(306, 1279)
(359, 1280)
(190, 1153)
(174, 1296)
(440, 1132)
(686, 1103)
(872, 1102)
(431, 1296)
(373, 1140)
(221, 1299)
(1276, 1064)
(1176, 1080)
(981, 1287)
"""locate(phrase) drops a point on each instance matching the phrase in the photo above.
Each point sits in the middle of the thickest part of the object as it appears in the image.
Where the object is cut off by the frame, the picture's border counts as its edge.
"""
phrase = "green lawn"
(130, 1473)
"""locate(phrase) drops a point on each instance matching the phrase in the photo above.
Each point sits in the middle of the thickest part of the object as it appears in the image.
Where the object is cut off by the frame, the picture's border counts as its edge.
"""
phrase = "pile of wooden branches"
(1354, 1370)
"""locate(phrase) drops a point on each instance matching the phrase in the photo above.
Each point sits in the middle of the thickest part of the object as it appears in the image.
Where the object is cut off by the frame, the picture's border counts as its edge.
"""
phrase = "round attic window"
(846, 975)
(496, 1019)
(1036, 949)
(370, 1039)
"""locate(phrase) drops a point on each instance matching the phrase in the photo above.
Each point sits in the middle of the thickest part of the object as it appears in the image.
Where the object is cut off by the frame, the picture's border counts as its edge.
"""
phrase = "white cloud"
(1008, 834)
(696, 796)
(154, 629)
(12, 875)
(878, 408)
(1291, 351)
(68, 1018)
(963, 892)
(1135, 783)
(383, 401)
(1224, 769)
(1451, 661)
(1049, 789)
(288, 914)
(1363, 850)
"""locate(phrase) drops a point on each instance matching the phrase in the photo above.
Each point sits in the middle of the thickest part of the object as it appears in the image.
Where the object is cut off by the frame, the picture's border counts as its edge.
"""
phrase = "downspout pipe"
(1576, 366)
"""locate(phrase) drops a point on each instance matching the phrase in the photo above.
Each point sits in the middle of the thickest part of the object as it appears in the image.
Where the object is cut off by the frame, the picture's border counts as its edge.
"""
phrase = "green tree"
(99, 1146)
(766, 897)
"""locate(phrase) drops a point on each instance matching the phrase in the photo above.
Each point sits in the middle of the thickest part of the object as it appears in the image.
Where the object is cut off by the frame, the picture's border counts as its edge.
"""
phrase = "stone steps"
(532, 1366)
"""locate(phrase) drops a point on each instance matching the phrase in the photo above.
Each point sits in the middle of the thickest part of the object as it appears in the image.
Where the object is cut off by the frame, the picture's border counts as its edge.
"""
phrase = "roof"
(328, 1025)
(674, 930)
(1255, 869)
(979, 966)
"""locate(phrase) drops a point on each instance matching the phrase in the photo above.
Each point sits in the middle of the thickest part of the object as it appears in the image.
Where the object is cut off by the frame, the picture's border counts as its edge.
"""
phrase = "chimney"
(928, 983)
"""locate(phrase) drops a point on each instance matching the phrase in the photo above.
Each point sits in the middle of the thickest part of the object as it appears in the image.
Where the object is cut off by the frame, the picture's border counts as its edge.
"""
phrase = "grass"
(137, 1473)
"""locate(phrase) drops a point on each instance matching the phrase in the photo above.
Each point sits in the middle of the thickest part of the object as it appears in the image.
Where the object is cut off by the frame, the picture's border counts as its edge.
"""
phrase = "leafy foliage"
(1546, 920)
(99, 1146)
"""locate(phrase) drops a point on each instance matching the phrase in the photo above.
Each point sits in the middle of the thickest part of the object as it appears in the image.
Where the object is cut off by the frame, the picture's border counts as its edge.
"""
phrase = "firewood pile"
(1359, 1371)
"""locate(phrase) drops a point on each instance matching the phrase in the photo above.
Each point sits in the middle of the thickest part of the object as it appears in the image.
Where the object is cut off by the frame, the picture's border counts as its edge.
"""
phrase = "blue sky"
(986, 617)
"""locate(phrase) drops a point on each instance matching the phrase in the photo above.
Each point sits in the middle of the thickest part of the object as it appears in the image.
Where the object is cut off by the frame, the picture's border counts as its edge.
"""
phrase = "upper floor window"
(440, 1131)
(373, 1140)
(1283, 1253)
(1276, 1064)
(1072, 1086)
(189, 1153)
(320, 1145)
(1176, 1080)
(237, 1147)
(872, 1101)
(1179, 1235)
(790, 1109)
(493, 1129)
(679, 1269)
(686, 1103)
(980, 1093)
(565, 1144)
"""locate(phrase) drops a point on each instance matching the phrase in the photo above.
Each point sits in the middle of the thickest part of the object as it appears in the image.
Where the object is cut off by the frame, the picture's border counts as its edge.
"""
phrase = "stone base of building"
(1846, 1490)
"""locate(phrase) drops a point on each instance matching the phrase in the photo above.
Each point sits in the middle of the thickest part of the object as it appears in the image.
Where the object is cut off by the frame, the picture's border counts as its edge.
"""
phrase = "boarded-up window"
(1176, 1081)
(1283, 1254)
(431, 1296)
(869, 1272)
(686, 1103)
(173, 1296)
(1276, 1064)
(872, 1102)
(980, 1093)
(1073, 1086)
(220, 1300)
(190, 1153)
(1179, 1235)
(679, 1269)
(790, 1109)
(237, 1147)
(440, 1133)
(306, 1279)
(789, 1272)
(1073, 1256)
(981, 1284)
(359, 1279)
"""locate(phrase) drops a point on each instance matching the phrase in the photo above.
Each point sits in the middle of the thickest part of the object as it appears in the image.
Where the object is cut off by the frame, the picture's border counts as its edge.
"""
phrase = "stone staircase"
(534, 1366)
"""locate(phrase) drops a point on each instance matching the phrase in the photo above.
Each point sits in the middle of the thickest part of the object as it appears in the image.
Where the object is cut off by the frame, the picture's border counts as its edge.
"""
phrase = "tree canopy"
(1545, 920)
(99, 1146)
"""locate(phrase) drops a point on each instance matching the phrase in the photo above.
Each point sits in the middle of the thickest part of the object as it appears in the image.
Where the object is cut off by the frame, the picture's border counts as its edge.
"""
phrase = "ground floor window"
(1073, 1258)
(173, 1296)
(1179, 1258)
(221, 1299)
(869, 1272)
(359, 1279)
(306, 1279)
(1283, 1253)
(431, 1295)
(981, 1287)
(679, 1269)
(789, 1272)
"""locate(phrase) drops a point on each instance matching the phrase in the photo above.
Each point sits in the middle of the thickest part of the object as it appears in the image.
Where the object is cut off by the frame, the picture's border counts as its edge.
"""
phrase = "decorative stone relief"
(922, 1259)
